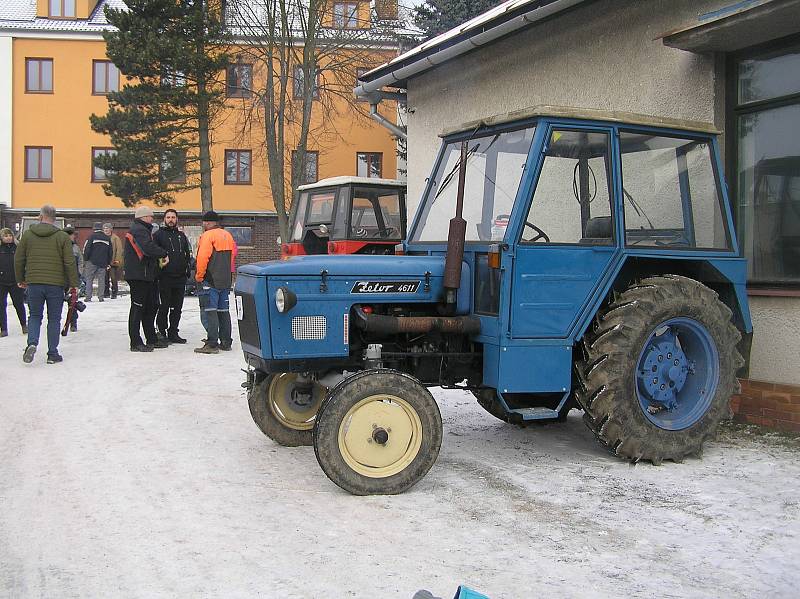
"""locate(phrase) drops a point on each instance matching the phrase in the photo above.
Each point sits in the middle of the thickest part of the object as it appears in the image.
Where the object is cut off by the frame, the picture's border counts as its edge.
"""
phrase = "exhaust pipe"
(390, 325)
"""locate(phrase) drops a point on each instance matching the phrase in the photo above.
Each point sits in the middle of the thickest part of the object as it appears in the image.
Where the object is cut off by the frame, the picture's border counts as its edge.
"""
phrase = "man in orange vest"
(214, 254)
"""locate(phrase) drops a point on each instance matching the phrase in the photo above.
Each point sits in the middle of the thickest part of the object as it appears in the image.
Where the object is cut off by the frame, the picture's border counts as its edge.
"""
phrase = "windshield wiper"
(449, 177)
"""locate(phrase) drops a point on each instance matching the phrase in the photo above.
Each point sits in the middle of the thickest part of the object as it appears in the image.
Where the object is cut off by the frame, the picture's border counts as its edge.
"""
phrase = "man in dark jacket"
(172, 278)
(44, 264)
(97, 255)
(141, 264)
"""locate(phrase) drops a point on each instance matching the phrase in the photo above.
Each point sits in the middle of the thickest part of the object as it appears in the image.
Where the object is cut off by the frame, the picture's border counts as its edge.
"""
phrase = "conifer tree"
(437, 16)
(160, 120)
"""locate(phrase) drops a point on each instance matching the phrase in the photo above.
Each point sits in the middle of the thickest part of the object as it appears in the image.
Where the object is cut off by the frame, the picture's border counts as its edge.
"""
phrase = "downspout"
(398, 132)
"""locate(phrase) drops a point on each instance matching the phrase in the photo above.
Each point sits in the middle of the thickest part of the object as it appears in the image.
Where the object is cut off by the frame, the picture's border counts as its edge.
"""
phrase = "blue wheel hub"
(677, 373)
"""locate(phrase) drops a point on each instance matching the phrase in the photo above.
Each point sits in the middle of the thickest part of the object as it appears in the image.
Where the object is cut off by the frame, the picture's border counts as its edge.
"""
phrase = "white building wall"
(604, 55)
(6, 98)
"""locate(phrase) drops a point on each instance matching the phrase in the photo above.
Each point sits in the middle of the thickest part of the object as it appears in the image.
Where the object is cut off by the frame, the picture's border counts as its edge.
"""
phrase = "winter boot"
(207, 349)
(174, 338)
(141, 348)
(24, 329)
(27, 355)
(54, 358)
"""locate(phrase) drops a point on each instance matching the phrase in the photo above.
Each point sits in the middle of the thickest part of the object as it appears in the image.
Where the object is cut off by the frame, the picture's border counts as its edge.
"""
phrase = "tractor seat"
(598, 230)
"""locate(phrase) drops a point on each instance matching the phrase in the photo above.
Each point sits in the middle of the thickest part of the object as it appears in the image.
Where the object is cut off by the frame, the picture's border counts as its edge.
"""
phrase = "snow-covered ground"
(142, 475)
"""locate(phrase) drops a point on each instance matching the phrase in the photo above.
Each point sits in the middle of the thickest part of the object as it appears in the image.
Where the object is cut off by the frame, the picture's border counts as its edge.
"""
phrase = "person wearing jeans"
(45, 265)
(214, 258)
(97, 256)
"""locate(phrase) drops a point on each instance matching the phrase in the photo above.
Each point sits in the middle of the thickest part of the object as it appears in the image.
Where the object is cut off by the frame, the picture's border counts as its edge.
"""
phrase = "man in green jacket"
(44, 265)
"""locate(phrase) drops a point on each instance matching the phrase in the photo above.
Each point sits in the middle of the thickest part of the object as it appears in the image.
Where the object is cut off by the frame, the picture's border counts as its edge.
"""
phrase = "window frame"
(380, 171)
(39, 179)
(238, 180)
(298, 94)
(28, 89)
(316, 165)
(345, 16)
(106, 62)
(104, 149)
(62, 3)
(610, 181)
(733, 111)
(238, 90)
(733, 248)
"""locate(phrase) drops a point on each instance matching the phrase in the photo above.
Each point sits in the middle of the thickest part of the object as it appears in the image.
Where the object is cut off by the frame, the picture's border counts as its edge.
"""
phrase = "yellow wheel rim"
(284, 407)
(380, 436)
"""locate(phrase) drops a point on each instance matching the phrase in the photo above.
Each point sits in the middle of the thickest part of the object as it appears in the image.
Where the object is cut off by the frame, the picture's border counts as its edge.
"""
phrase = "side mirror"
(278, 240)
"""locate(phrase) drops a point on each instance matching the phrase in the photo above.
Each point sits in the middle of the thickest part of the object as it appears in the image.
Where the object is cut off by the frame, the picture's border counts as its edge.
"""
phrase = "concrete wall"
(603, 55)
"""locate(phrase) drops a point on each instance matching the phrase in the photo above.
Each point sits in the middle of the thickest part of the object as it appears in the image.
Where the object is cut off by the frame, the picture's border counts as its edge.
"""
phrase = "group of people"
(157, 265)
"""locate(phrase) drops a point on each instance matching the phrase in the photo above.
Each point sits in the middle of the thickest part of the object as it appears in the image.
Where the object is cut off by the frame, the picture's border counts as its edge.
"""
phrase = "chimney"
(386, 10)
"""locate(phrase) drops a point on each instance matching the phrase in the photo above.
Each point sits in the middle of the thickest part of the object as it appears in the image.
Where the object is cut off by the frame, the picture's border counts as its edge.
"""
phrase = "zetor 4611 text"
(558, 259)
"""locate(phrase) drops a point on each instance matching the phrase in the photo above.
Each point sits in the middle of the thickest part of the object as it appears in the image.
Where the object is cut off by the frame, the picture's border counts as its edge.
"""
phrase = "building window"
(310, 173)
(171, 78)
(105, 77)
(100, 175)
(345, 15)
(39, 75)
(238, 165)
(369, 164)
(766, 114)
(63, 9)
(239, 80)
(173, 167)
(299, 79)
(38, 163)
(243, 236)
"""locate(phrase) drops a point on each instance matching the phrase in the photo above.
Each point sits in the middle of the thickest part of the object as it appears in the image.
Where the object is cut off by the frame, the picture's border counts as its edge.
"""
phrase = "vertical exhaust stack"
(456, 236)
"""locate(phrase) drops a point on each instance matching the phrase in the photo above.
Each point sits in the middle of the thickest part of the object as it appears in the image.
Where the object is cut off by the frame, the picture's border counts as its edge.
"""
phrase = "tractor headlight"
(285, 299)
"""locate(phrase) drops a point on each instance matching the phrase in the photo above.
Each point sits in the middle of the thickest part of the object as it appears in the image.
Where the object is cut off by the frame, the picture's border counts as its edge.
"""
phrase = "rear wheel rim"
(380, 436)
(677, 374)
(285, 407)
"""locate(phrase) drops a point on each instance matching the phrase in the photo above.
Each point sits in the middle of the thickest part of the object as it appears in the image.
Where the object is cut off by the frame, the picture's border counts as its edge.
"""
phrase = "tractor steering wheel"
(388, 231)
(541, 234)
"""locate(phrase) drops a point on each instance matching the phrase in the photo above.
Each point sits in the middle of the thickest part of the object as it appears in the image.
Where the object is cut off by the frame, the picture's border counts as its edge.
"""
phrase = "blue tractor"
(558, 259)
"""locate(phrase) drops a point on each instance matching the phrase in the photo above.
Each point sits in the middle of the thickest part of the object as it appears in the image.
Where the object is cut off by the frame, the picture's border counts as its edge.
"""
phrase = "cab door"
(567, 240)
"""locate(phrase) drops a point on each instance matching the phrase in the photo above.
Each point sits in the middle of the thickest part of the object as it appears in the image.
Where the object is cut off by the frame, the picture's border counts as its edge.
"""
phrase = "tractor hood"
(348, 266)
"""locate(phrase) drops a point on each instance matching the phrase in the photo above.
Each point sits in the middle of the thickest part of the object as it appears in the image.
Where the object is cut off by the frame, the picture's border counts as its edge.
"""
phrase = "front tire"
(278, 414)
(659, 369)
(377, 433)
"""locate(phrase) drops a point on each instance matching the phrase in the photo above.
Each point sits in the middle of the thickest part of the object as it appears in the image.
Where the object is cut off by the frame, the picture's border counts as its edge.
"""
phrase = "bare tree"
(304, 55)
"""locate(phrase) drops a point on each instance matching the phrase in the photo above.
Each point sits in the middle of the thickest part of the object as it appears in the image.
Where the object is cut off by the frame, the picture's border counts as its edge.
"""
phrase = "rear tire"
(637, 405)
(377, 433)
(277, 416)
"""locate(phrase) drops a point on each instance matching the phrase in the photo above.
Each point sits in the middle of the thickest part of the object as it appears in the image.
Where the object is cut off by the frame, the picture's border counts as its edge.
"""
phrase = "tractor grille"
(309, 328)
(248, 321)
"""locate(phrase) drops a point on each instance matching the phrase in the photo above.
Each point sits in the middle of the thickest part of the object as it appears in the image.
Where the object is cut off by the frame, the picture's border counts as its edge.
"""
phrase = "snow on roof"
(345, 180)
(21, 15)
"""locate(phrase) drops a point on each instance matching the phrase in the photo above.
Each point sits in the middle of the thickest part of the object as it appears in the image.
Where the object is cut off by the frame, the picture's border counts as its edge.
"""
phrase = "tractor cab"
(559, 259)
(347, 215)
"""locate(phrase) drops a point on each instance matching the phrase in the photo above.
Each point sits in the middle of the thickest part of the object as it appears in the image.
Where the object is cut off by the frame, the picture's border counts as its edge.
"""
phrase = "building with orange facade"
(54, 73)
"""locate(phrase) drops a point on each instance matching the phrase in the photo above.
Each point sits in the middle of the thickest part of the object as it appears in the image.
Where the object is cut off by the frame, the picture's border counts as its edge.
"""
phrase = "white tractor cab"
(347, 215)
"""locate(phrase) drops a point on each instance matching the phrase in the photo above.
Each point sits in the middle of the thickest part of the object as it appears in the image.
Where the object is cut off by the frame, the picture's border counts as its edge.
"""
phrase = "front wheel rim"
(677, 374)
(380, 436)
(286, 409)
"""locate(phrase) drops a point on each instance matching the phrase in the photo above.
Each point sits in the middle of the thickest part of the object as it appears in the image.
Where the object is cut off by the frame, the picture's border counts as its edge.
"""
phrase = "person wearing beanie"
(114, 270)
(8, 283)
(173, 276)
(97, 258)
(141, 265)
(214, 257)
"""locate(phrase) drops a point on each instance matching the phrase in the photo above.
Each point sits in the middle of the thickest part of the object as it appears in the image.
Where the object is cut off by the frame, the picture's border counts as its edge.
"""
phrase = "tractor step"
(538, 413)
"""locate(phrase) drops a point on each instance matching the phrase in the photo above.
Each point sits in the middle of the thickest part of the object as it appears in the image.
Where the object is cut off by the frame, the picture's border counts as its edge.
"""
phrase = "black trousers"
(144, 304)
(18, 298)
(171, 297)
